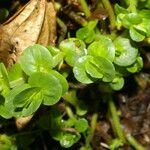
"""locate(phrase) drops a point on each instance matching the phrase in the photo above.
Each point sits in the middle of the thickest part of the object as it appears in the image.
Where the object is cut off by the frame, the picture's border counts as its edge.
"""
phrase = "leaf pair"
(33, 83)
(137, 22)
(89, 68)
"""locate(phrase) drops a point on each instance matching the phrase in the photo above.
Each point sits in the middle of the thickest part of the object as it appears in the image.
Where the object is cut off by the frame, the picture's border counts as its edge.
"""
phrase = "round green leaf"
(29, 99)
(131, 19)
(117, 83)
(36, 59)
(73, 48)
(10, 97)
(144, 13)
(136, 35)
(26, 96)
(125, 53)
(86, 34)
(79, 70)
(31, 108)
(82, 33)
(104, 48)
(137, 66)
(69, 139)
(145, 26)
(93, 70)
(4, 112)
(81, 125)
(50, 87)
(62, 81)
(119, 9)
(104, 67)
(15, 76)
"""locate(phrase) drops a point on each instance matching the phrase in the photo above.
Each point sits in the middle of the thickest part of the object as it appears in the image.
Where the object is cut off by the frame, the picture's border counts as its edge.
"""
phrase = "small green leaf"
(119, 10)
(62, 81)
(137, 66)
(81, 125)
(136, 35)
(69, 139)
(104, 48)
(15, 76)
(125, 53)
(4, 83)
(53, 50)
(86, 35)
(104, 67)
(25, 97)
(93, 70)
(9, 98)
(144, 13)
(50, 87)
(31, 108)
(36, 59)
(92, 24)
(58, 58)
(29, 99)
(86, 148)
(82, 33)
(4, 112)
(115, 144)
(73, 48)
(131, 19)
(145, 25)
(117, 83)
(79, 70)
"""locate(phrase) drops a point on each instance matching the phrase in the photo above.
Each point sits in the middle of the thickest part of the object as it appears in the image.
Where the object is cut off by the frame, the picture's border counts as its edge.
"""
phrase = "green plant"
(104, 58)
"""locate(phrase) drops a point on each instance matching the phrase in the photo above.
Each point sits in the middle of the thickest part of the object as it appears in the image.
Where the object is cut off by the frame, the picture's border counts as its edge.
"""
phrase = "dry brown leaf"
(34, 23)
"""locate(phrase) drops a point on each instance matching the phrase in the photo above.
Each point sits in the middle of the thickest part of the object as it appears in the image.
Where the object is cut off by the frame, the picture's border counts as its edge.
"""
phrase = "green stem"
(70, 113)
(85, 8)
(63, 29)
(115, 119)
(111, 14)
(93, 126)
(134, 143)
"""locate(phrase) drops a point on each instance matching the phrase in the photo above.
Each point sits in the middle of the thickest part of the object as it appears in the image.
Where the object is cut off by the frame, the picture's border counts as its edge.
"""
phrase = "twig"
(85, 8)
(111, 14)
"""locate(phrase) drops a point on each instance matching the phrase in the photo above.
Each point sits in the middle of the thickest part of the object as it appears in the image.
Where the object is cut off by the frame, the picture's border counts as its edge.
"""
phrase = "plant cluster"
(137, 21)
(39, 77)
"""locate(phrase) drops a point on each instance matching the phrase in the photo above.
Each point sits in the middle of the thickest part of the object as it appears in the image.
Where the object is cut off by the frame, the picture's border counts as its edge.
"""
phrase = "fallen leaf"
(34, 23)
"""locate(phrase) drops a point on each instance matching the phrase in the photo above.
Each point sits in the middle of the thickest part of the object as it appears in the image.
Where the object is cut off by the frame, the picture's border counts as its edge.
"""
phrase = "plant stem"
(111, 14)
(93, 126)
(134, 143)
(115, 119)
(85, 8)
(70, 113)
(94, 121)
(63, 29)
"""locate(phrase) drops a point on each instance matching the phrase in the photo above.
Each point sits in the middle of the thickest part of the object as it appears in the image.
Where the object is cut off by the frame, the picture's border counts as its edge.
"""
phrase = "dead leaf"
(34, 23)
